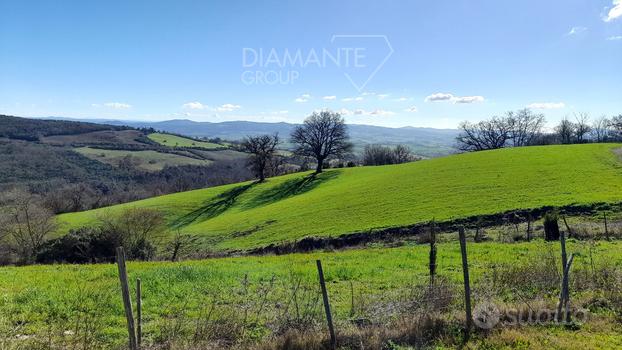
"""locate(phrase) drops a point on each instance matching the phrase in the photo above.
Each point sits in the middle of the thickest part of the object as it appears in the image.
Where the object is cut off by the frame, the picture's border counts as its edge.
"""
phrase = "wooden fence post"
(562, 289)
(564, 294)
(570, 233)
(529, 229)
(432, 252)
(566, 288)
(329, 317)
(606, 228)
(467, 285)
(127, 301)
(139, 314)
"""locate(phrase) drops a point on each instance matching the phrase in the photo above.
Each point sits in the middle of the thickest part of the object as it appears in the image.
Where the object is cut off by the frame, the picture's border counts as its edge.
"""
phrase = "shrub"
(133, 229)
(84, 245)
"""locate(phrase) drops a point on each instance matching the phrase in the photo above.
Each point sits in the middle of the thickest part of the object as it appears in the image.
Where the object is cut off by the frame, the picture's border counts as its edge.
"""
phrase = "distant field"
(125, 137)
(178, 141)
(147, 160)
(57, 299)
(340, 201)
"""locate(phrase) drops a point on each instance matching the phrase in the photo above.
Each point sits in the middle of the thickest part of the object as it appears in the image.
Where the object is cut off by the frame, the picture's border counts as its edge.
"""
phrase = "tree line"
(526, 128)
(322, 137)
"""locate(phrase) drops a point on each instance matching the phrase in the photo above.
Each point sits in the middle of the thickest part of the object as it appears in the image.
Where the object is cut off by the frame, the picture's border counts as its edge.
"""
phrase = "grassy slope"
(340, 201)
(151, 160)
(178, 141)
(36, 295)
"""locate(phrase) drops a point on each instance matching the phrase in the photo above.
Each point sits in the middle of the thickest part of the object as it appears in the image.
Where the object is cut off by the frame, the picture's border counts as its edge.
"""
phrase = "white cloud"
(345, 111)
(115, 105)
(455, 99)
(615, 12)
(412, 109)
(546, 105)
(381, 112)
(193, 105)
(439, 97)
(228, 107)
(303, 98)
(577, 30)
(382, 96)
(329, 98)
(617, 37)
(362, 112)
(402, 99)
(349, 99)
(468, 99)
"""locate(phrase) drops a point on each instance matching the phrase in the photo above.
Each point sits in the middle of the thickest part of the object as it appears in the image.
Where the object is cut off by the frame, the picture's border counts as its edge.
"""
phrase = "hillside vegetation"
(178, 141)
(145, 160)
(341, 201)
(69, 166)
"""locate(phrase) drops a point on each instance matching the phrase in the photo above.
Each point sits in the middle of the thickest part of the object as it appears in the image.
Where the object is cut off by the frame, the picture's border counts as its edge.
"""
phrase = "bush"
(134, 229)
(84, 245)
(91, 245)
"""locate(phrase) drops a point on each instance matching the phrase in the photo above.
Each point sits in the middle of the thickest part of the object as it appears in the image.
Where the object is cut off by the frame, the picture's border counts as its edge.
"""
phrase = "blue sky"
(444, 61)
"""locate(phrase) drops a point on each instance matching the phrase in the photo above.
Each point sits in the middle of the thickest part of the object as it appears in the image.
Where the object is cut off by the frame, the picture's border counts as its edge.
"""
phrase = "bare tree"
(136, 229)
(25, 222)
(322, 135)
(403, 154)
(182, 244)
(382, 155)
(601, 129)
(565, 131)
(524, 126)
(616, 126)
(582, 126)
(378, 155)
(263, 153)
(487, 134)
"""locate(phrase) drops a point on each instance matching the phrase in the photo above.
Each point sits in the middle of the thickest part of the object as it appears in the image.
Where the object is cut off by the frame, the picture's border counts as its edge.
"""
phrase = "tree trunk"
(320, 164)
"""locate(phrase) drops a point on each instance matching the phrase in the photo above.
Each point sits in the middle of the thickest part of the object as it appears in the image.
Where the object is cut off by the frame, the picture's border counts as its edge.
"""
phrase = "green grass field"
(341, 201)
(178, 141)
(37, 300)
(147, 160)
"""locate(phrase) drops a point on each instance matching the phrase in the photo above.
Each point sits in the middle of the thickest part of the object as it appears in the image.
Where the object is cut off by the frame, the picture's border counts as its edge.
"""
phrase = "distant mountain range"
(427, 142)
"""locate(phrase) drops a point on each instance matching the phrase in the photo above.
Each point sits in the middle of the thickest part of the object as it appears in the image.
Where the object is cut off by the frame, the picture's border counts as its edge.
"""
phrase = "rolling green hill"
(341, 201)
(178, 141)
(146, 160)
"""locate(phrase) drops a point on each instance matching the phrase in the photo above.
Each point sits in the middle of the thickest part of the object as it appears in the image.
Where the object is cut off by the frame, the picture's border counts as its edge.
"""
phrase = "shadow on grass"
(213, 207)
(290, 188)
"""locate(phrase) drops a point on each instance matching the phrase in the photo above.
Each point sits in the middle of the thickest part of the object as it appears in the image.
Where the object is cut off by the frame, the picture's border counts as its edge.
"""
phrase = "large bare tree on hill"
(565, 131)
(263, 152)
(515, 129)
(601, 128)
(322, 135)
(582, 126)
(524, 126)
(484, 135)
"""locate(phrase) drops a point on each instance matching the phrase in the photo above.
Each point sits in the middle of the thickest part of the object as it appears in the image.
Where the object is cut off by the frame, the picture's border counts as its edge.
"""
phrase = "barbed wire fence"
(276, 307)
